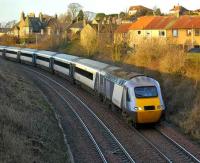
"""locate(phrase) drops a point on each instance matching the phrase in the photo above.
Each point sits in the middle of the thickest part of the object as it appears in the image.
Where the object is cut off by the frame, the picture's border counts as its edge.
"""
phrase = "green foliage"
(100, 16)
(80, 15)
(157, 12)
(122, 15)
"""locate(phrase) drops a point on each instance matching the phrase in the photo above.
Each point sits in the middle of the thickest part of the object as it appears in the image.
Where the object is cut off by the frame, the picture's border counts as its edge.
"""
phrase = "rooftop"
(123, 28)
(187, 22)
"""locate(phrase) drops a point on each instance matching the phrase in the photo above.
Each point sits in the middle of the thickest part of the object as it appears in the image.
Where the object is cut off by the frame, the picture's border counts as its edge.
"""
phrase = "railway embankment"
(29, 131)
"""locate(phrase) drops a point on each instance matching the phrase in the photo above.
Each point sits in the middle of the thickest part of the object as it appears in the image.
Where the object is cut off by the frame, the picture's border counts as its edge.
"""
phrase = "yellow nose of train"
(149, 110)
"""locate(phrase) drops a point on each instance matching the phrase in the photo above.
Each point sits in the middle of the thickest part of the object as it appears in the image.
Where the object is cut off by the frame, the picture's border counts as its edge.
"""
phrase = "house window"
(197, 32)
(148, 34)
(175, 32)
(139, 32)
(161, 33)
(189, 32)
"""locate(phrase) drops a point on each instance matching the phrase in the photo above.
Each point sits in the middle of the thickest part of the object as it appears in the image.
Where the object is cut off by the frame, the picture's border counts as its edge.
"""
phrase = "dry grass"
(28, 128)
(179, 79)
(8, 40)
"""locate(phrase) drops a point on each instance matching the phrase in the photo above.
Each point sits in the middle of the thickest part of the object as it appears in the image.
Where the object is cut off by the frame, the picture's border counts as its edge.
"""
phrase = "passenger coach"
(13, 53)
(44, 58)
(138, 96)
(27, 55)
(63, 63)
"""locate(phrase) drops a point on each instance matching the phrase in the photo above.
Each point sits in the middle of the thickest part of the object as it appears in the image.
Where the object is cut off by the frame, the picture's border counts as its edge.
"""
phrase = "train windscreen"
(146, 92)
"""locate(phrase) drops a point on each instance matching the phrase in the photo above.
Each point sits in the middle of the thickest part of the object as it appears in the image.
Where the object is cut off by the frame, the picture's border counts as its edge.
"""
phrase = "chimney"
(22, 17)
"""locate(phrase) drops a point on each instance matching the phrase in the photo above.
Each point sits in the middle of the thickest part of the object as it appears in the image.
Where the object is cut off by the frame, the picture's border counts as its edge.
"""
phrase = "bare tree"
(73, 9)
(88, 15)
(65, 18)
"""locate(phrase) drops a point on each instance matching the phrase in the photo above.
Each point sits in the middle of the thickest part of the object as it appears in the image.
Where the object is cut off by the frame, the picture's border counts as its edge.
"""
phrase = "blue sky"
(11, 9)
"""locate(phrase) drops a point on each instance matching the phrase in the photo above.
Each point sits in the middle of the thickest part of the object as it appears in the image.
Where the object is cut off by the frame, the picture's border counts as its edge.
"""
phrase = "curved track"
(109, 148)
(170, 149)
(106, 146)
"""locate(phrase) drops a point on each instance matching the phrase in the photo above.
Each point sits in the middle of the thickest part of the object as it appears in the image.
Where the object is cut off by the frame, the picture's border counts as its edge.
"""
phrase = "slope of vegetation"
(28, 129)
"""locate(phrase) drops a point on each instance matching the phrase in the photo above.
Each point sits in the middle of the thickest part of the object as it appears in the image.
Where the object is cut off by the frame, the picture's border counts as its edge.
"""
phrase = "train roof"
(29, 51)
(2, 47)
(12, 48)
(65, 57)
(92, 64)
(44, 53)
(141, 81)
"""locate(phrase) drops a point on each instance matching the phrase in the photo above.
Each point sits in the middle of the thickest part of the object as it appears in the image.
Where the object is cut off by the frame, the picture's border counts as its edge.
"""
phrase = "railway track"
(107, 145)
(170, 149)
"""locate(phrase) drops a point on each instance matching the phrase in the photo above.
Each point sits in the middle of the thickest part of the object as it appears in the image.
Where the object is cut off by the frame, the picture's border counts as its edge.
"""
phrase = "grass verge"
(29, 131)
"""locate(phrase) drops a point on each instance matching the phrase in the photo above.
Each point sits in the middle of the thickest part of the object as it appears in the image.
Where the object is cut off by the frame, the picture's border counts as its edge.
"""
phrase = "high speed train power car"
(135, 94)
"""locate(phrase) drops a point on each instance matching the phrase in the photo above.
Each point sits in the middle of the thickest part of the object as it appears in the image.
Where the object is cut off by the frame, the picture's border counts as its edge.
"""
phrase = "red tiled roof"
(142, 22)
(161, 22)
(185, 22)
(123, 28)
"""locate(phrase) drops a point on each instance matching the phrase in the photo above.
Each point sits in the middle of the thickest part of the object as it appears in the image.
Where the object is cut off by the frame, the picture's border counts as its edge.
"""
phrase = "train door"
(96, 83)
(71, 72)
(126, 102)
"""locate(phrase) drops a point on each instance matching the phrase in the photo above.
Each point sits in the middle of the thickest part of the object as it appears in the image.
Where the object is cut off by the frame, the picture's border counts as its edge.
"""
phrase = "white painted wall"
(61, 69)
(28, 59)
(9, 55)
(117, 95)
(42, 63)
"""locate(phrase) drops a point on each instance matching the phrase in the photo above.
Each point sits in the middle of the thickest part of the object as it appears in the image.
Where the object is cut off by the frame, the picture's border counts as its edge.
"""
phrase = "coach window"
(84, 73)
(62, 64)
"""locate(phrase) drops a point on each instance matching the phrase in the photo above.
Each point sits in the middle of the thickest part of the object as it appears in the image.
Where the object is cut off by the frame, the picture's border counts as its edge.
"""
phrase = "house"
(186, 31)
(178, 10)
(121, 33)
(151, 27)
(73, 30)
(183, 30)
(133, 10)
(137, 29)
(29, 25)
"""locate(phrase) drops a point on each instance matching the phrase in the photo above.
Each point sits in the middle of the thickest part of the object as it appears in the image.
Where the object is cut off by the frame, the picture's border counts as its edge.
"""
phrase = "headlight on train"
(138, 108)
(160, 107)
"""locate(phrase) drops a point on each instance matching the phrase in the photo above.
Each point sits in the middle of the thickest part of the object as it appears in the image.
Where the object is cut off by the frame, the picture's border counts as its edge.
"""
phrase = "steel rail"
(79, 118)
(179, 146)
(94, 115)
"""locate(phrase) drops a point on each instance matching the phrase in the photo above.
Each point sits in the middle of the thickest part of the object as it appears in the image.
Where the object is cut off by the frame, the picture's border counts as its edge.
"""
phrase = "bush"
(157, 54)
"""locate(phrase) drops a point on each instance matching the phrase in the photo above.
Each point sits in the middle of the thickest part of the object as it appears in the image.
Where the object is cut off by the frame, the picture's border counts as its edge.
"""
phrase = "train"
(138, 96)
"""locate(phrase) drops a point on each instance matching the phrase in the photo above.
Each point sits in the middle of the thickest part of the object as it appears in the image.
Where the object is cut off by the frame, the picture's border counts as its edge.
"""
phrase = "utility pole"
(36, 40)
